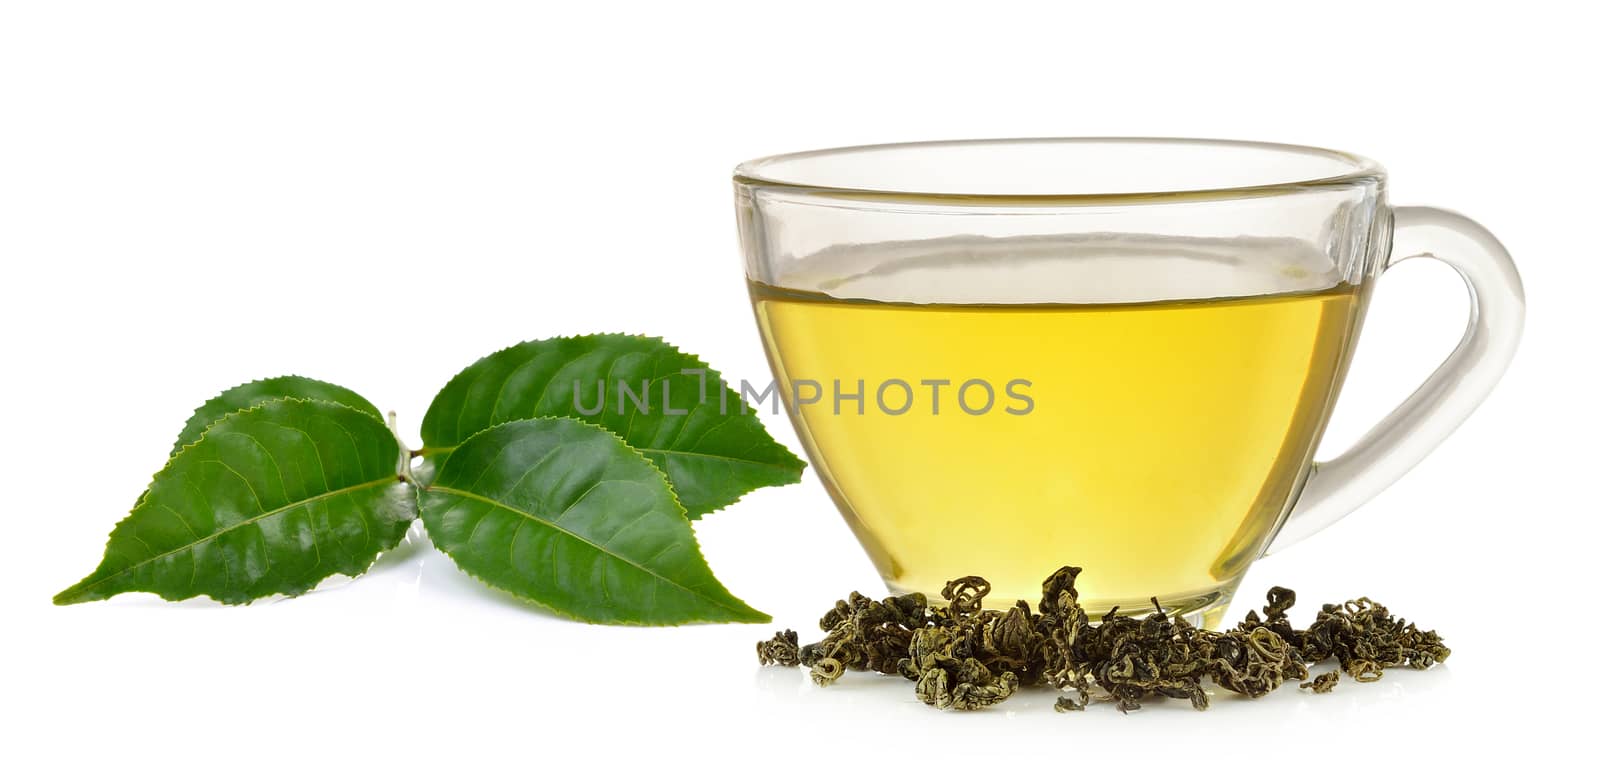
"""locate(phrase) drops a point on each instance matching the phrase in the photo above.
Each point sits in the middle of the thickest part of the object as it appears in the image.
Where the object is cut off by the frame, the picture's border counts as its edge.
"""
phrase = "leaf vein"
(232, 527)
(573, 534)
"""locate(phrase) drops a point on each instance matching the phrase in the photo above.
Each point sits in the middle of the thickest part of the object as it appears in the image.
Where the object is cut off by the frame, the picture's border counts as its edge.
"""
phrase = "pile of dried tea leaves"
(964, 657)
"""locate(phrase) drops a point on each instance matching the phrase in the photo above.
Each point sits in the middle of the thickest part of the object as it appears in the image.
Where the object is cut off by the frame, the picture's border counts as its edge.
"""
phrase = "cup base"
(1209, 616)
(1204, 610)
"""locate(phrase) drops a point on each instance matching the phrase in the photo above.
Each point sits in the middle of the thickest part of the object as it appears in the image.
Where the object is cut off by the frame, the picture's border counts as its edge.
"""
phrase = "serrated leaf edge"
(176, 448)
(262, 404)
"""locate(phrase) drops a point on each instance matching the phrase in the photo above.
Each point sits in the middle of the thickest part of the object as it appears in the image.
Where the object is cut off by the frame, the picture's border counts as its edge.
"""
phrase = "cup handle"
(1336, 487)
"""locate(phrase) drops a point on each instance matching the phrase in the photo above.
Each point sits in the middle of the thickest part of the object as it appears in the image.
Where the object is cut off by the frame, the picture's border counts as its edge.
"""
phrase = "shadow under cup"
(1008, 356)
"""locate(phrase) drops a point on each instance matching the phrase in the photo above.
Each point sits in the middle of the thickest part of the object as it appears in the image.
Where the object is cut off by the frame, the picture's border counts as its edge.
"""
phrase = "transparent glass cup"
(1006, 356)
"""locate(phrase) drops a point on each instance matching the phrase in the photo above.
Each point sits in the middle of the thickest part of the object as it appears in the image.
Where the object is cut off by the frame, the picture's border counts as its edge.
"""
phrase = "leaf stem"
(403, 469)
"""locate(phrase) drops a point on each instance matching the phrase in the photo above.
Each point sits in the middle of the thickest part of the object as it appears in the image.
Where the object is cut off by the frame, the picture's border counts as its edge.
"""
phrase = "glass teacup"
(1008, 356)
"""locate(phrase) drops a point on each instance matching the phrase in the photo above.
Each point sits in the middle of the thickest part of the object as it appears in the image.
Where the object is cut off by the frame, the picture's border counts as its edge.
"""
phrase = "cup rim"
(1357, 170)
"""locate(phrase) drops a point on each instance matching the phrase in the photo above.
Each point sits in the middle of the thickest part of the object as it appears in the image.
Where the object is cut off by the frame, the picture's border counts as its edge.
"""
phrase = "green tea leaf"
(255, 393)
(564, 514)
(711, 449)
(269, 500)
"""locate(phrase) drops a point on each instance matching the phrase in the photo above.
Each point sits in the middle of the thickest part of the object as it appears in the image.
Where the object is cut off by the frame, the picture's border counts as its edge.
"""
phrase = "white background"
(197, 194)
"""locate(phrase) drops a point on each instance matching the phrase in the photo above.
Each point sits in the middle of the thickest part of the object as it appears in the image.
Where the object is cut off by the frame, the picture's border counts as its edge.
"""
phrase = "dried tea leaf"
(783, 649)
(963, 657)
(1324, 683)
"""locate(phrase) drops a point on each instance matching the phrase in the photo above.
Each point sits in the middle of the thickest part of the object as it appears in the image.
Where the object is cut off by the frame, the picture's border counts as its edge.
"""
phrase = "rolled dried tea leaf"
(783, 649)
(1324, 683)
(963, 657)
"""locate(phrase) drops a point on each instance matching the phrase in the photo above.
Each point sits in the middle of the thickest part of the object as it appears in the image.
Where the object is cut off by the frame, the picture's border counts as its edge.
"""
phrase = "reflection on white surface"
(422, 592)
(416, 577)
(790, 688)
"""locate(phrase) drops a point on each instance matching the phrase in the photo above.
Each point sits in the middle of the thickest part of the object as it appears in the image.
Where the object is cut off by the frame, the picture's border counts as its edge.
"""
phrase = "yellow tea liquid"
(1163, 443)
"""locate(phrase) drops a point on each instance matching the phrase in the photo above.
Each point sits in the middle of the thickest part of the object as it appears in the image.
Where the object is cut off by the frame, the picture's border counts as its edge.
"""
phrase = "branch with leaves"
(278, 484)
